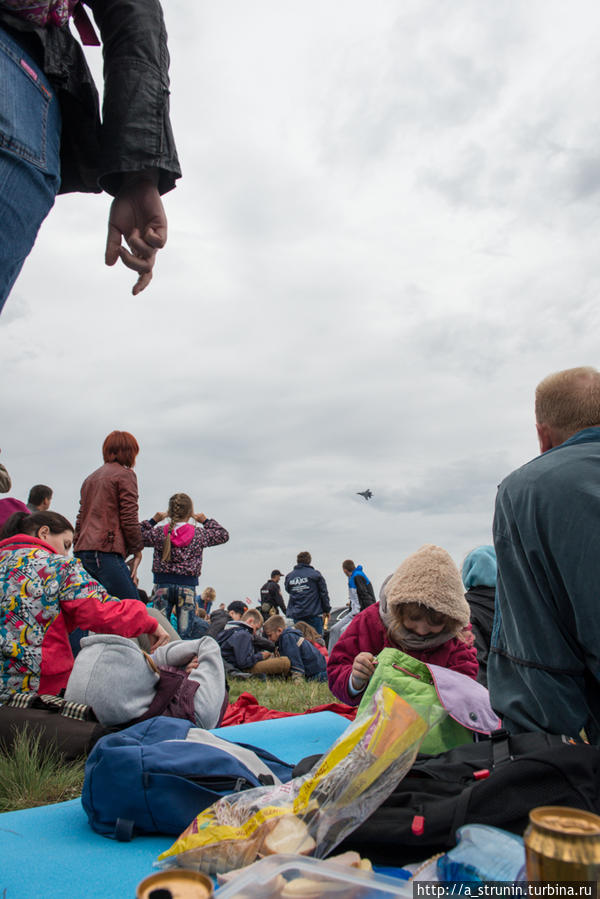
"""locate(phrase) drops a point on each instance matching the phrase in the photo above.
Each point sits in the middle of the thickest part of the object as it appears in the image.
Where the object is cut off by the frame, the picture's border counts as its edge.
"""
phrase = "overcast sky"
(385, 236)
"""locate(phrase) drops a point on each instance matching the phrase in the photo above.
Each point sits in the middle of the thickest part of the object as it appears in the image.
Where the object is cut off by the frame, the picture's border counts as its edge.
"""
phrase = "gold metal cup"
(562, 844)
(181, 883)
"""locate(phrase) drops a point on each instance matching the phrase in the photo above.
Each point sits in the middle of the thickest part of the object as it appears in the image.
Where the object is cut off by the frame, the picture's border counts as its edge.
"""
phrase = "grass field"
(30, 776)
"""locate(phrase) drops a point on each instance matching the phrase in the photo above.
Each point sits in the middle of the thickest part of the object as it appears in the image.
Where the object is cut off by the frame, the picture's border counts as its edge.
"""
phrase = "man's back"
(308, 591)
(544, 665)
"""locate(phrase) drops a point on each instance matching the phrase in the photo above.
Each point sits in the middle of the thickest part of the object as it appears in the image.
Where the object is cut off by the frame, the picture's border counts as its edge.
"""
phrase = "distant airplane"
(366, 493)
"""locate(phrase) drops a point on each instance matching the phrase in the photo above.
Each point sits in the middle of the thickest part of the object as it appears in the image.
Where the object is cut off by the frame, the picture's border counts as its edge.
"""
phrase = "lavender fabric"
(465, 700)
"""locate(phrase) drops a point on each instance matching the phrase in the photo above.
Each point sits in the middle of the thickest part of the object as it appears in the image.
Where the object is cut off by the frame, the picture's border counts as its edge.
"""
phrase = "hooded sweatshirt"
(184, 566)
(428, 577)
(237, 646)
(479, 573)
(360, 591)
(122, 684)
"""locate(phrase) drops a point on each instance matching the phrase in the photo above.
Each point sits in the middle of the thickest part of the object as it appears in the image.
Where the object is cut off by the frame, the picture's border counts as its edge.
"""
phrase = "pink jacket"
(366, 633)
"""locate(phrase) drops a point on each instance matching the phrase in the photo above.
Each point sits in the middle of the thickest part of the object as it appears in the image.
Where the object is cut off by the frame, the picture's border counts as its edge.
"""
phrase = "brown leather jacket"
(108, 512)
(5, 483)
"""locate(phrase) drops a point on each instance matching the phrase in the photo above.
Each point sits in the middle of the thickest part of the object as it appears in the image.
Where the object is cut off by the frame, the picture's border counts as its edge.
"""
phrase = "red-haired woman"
(107, 530)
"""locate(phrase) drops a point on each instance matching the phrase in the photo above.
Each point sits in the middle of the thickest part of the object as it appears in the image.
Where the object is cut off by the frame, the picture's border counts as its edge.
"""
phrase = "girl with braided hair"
(177, 564)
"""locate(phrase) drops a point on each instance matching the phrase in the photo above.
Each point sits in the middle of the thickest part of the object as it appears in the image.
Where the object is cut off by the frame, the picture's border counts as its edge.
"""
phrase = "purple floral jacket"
(185, 564)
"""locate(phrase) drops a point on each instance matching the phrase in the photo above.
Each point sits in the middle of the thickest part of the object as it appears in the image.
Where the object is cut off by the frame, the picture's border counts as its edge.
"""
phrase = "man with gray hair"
(544, 665)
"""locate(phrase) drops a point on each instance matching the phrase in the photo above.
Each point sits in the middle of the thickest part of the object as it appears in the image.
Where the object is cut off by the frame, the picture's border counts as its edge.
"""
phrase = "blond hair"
(209, 594)
(180, 509)
(569, 401)
(307, 630)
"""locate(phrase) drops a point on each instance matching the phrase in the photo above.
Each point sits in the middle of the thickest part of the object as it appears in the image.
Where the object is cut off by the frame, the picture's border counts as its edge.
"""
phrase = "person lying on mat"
(44, 594)
(124, 685)
(421, 611)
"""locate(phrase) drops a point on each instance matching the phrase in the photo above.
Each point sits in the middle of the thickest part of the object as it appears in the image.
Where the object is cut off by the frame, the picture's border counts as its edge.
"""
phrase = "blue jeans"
(315, 621)
(169, 598)
(110, 570)
(30, 126)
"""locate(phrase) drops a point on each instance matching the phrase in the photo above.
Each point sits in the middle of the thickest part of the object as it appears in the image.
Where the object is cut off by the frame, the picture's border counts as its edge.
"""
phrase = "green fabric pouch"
(412, 680)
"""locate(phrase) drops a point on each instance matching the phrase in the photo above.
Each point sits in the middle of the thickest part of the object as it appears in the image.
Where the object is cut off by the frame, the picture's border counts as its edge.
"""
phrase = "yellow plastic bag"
(311, 814)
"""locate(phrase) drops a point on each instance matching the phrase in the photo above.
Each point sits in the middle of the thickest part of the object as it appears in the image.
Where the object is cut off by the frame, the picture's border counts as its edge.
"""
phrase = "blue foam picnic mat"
(51, 852)
(290, 739)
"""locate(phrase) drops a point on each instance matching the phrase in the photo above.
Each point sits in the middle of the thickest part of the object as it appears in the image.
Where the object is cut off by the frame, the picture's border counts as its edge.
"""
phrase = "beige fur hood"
(431, 578)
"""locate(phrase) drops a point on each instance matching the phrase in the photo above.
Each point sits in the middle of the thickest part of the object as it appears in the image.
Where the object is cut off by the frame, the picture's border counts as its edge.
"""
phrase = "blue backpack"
(156, 776)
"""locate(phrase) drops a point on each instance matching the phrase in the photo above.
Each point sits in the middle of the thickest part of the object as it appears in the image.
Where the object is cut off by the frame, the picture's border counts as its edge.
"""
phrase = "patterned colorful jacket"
(43, 597)
(185, 565)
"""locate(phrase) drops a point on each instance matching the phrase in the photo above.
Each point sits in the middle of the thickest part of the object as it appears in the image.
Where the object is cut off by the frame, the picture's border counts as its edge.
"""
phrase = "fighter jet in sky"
(366, 493)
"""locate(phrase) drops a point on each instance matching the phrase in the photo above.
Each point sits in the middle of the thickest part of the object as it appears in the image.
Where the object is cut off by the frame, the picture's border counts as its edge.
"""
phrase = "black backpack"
(495, 782)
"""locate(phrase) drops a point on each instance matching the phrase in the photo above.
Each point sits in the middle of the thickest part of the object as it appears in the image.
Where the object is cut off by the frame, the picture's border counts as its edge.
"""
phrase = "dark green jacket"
(544, 664)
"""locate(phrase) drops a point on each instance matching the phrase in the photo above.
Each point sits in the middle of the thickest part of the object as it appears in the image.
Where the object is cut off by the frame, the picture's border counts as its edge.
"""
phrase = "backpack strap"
(500, 751)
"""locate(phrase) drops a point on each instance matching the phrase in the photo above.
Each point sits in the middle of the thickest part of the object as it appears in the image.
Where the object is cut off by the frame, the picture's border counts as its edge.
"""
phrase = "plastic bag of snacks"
(311, 814)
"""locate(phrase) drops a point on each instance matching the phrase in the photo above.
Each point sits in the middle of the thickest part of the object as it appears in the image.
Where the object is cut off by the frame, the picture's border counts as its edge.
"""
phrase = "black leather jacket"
(135, 132)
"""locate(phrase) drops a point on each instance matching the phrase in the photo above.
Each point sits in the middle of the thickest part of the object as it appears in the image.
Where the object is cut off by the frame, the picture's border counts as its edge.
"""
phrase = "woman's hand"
(363, 668)
(193, 663)
(200, 517)
(158, 516)
(157, 638)
(137, 216)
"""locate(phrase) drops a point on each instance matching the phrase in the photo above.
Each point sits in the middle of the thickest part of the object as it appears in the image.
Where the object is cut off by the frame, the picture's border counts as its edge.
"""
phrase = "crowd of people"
(518, 617)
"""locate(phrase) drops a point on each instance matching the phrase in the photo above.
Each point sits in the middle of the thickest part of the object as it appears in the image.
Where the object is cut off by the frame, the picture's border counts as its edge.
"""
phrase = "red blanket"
(246, 708)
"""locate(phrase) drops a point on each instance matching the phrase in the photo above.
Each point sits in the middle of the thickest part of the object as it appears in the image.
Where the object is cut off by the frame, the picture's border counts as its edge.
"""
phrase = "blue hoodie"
(479, 568)
(237, 647)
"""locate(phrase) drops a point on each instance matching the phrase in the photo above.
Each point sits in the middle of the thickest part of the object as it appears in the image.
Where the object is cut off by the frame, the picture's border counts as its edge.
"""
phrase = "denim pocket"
(26, 104)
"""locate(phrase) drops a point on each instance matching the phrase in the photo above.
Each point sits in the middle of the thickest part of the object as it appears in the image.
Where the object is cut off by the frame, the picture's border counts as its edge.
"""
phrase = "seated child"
(123, 684)
(421, 610)
(239, 652)
(305, 659)
(313, 636)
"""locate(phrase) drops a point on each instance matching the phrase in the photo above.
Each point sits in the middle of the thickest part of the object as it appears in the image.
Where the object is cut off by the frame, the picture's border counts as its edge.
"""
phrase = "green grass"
(284, 695)
(31, 776)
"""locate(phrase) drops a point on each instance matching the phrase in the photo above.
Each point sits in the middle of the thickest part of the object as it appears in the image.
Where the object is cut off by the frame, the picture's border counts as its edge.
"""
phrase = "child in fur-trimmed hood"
(421, 611)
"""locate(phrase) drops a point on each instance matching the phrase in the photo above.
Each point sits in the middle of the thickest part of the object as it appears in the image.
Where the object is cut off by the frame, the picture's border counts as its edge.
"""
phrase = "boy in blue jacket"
(306, 661)
(239, 654)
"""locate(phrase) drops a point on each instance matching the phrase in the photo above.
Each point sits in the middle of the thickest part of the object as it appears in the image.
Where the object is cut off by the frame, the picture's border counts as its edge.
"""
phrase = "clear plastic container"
(299, 877)
(482, 853)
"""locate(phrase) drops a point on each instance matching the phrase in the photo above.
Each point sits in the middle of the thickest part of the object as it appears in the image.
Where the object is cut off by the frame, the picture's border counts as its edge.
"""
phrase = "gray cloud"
(385, 236)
